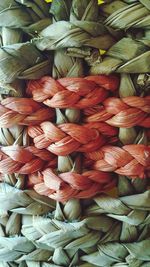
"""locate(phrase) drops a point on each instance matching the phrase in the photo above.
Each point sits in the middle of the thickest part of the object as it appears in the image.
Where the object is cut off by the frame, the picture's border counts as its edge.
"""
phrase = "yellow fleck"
(100, 2)
(48, 1)
(102, 52)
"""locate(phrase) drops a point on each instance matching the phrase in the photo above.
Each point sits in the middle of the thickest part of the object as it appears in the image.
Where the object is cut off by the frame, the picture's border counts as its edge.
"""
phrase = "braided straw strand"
(17, 159)
(125, 112)
(68, 185)
(72, 92)
(22, 111)
(67, 138)
(130, 160)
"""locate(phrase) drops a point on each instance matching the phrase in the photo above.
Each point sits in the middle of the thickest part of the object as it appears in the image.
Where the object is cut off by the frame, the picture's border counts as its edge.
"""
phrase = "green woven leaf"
(22, 60)
(58, 239)
(135, 15)
(72, 210)
(140, 250)
(18, 201)
(111, 204)
(146, 3)
(37, 27)
(16, 88)
(129, 233)
(13, 15)
(130, 209)
(40, 8)
(141, 62)
(87, 241)
(72, 67)
(126, 86)
(84, 10)
(134, 217)
(139, 201)
(61, 9)
(60, 257)
(65, 34)
(106, 255)
(36, 255)
(12, 248)
(11, 36)
(126, 56)
(13, 225)
(113, 234)
(111, 7)
(121, 49)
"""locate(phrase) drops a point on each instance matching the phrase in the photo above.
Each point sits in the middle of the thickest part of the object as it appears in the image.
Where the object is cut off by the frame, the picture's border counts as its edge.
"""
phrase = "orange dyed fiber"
(130, 160)
(77, 93)
(65, 186)
(126, 112)
(91, 138)
(23, 111)
(16, 159)
(66, 138)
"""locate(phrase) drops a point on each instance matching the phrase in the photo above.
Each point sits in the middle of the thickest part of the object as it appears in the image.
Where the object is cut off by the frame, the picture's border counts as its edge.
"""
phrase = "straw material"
(126, 112)
(69, 137)
(105, 229)
(133, 15)
(77, 92)
(17, 159)
(22, 61)
(82, 29)
(126, 56)
(23, 111)
(109, 220)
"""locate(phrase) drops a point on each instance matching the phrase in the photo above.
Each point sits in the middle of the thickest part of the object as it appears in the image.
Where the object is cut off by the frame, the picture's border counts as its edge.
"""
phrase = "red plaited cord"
(126, 112)
(93, 137)
(23, 111)
(24, 160)
(130, 160)
(78, 93)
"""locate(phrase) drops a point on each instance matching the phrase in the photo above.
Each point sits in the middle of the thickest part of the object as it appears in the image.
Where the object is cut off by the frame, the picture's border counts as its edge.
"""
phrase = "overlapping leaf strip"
(103, 231)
